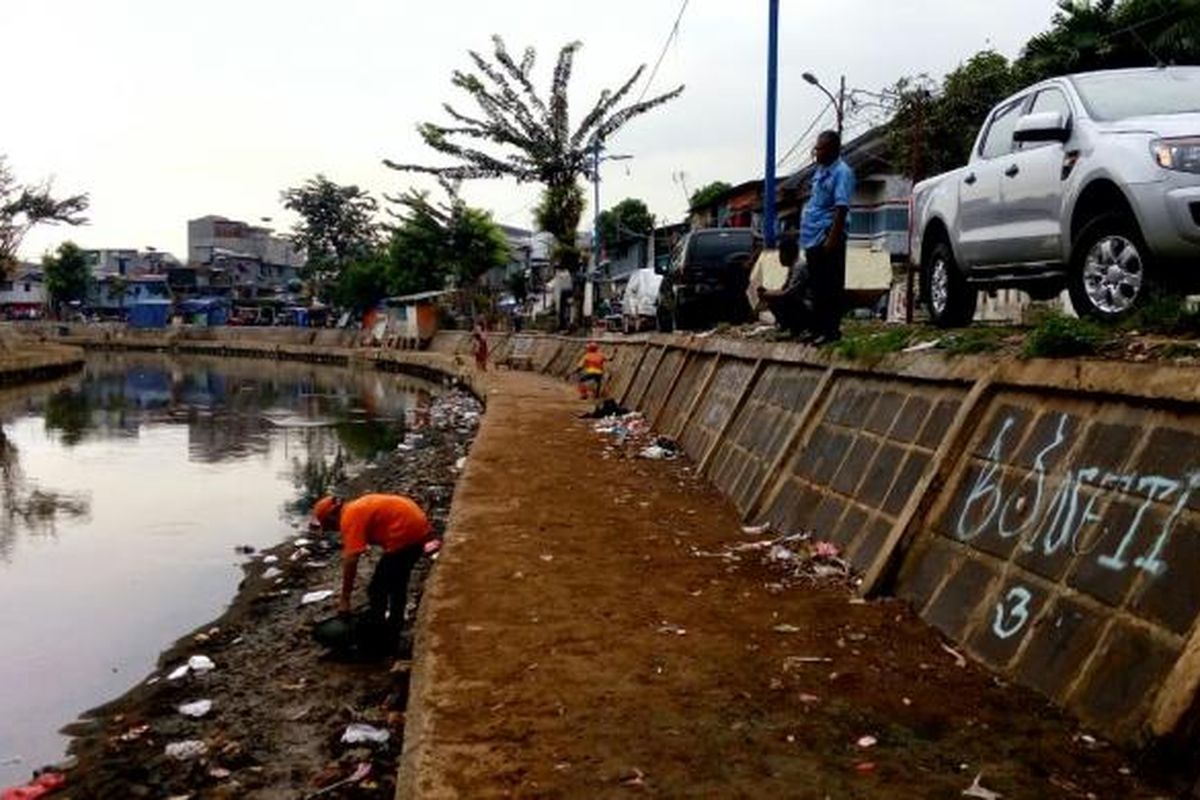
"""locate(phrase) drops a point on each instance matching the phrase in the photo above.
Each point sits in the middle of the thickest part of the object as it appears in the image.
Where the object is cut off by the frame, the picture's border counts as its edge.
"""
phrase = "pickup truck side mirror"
(1044, 126)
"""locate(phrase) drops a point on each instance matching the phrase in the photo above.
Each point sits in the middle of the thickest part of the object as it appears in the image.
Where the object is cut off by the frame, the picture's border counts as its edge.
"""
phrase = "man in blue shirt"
(823, 231)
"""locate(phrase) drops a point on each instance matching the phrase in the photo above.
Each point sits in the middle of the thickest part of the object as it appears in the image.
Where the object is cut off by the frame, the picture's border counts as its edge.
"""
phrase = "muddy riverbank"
(280, 705)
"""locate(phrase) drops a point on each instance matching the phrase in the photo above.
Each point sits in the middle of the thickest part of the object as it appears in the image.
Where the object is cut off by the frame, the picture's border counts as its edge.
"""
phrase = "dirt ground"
(280, 705)
(579, 640)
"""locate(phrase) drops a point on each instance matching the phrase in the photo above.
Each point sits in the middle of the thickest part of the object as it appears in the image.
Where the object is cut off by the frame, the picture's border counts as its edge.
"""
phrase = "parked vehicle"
(707, 279)
(639, 305)
(1089, 181)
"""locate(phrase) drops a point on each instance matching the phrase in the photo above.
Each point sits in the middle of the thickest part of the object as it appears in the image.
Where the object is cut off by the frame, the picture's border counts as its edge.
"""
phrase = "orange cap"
(592, 347)
(323, 509)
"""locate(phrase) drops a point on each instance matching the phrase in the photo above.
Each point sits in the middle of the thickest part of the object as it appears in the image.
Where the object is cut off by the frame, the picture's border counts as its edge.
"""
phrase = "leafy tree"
(447, 240)
(518, 284)
(934, 134)
(706, 194)
(628, 219)
(23, 206)
(337, 226)
(531, 137)
(363, 283)
(67, 274)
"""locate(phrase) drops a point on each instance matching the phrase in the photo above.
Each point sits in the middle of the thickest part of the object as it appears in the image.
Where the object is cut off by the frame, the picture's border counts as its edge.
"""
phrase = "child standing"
(591, 371)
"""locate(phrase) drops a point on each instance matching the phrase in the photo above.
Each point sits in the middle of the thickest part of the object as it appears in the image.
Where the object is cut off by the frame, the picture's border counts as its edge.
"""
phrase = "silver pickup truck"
(1089, 181)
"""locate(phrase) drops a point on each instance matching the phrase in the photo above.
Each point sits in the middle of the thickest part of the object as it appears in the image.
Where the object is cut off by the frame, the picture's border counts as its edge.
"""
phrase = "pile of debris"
(798, 557)
(631, 436)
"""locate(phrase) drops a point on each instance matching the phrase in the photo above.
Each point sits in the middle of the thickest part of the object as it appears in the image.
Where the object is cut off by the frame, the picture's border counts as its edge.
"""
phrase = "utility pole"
(769, 239)
(841, 107)
(589, 288)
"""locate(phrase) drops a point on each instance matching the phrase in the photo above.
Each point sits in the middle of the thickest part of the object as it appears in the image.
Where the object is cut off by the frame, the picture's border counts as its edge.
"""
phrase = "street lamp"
(838, 102)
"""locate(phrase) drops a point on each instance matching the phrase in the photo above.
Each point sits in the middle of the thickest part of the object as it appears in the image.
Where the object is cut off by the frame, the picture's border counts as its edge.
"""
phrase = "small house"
(412, 319)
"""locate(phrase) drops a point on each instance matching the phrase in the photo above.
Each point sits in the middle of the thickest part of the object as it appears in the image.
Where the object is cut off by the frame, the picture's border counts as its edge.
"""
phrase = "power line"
(800, 139)
(670, 37)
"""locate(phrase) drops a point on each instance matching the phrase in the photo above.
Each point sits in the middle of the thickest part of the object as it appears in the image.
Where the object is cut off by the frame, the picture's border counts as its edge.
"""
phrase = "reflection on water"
(123, 491)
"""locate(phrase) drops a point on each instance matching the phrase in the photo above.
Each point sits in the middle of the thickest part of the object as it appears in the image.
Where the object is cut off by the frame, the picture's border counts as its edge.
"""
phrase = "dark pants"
(827, 284)
(388, 590)
(792, 307)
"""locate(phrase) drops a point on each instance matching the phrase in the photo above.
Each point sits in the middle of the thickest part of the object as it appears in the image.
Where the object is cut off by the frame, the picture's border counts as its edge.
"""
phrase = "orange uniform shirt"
(385, 520)
(593, 363)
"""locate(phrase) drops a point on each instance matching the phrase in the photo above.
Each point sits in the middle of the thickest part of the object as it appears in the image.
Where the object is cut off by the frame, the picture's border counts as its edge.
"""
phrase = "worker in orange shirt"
(396, 525)
(591, 371)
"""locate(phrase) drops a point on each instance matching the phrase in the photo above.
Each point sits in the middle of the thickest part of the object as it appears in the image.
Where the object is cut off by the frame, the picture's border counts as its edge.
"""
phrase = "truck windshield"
(1122, 95)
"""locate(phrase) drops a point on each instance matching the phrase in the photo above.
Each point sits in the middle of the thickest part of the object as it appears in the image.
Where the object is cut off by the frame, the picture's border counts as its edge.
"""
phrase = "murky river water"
(123, 493)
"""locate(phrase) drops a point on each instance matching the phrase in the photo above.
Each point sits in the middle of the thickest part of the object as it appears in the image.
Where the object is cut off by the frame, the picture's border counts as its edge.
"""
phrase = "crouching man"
(396, 525)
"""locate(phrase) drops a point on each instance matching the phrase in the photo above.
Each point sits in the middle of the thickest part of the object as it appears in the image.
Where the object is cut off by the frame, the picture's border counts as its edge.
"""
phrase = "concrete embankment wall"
(1043, 515)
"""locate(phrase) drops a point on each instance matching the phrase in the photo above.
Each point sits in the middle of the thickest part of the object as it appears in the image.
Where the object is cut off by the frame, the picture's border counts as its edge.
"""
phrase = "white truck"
(1088, 181)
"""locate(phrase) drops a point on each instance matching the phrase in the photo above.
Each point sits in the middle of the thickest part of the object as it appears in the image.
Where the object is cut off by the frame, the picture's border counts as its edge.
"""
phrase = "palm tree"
(533, 136)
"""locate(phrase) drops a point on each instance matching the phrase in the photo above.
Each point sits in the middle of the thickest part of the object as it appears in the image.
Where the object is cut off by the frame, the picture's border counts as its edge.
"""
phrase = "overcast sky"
(164, 111)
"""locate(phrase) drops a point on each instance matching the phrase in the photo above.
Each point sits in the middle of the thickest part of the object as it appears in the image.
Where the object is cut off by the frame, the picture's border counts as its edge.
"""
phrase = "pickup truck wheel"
(950, 299)
(1109, 268)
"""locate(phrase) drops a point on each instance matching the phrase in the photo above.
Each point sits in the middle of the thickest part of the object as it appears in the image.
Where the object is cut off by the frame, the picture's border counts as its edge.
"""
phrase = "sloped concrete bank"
(25, 362)
(1042, 514)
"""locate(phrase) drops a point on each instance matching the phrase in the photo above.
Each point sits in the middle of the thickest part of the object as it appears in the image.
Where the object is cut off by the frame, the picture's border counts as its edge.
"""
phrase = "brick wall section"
(634, 397)
(1064, 550)
(716, 407)
(761, 430)
(661, 382)
(872, 442)
(691, 382)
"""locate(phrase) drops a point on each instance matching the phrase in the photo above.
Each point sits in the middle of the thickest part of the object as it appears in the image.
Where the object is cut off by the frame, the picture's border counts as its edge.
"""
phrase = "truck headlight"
(1181, 155)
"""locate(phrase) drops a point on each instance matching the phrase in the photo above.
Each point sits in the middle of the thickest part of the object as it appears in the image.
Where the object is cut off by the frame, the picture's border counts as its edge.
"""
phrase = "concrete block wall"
(1044, 516)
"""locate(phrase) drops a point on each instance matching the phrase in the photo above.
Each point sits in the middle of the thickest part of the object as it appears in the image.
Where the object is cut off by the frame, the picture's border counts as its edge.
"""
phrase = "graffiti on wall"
(1047, 511)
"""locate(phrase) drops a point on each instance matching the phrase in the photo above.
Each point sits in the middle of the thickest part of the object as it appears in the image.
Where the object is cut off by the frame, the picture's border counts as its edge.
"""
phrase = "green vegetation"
(1167, 314)
(337, 227)
(67, 275)
(25, 206)
(627, 220)
(973, 341)
(935, 126)
(707, 193)
(533, 138)
(870, 345)
(1060, 336)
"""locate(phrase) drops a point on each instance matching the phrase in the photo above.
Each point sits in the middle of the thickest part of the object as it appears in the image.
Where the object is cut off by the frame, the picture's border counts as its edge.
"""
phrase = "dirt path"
(575, 645)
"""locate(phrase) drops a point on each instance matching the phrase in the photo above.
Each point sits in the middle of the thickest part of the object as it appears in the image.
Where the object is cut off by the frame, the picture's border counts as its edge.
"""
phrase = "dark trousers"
(827, 285)
(388, 590)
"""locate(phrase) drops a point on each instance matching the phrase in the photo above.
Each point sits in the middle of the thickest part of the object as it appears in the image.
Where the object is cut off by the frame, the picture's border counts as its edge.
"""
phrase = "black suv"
(707, 279)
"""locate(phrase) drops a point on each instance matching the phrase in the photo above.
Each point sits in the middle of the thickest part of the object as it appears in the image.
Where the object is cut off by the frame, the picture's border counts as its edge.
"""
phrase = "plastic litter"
(201, 664)
(316, 597)
(359, 733)
(756, 530)
(978, 791)
(460, 463)
(360, 773)
(866, 742)
(42, 786)
(302, 542)
(654, 453)
(959, 659)
(270, 573)
(922, 346)
(186, 750)
(196, 709)
(177, 673)
(270, 559)
(785, 628)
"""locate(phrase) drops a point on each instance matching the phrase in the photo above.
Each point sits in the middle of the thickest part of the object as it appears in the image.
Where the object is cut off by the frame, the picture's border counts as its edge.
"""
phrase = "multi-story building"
(248, 261)
(23, 293)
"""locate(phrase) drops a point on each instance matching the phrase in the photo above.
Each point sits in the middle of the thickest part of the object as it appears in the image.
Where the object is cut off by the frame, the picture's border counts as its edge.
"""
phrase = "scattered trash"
(978, 791)
(791, 662)
(270, 559)
(360, 773)
(634, 777)
(864, 767)
(609, 408)
(360, 733)
(756, 530)
(134, 733)
(785, 628)
(219, 773)
(866, 742)
(655, 453)
(196, 709)
(186, 750)
(959, 659)
(42, 785)
(809, 699)
(547, 557)
(667, 627)
(460, 463)
(270, 573)
(318, 596)
(244, 549)
(201, 664)
(922, 346)
(178, 673)
(302, 542)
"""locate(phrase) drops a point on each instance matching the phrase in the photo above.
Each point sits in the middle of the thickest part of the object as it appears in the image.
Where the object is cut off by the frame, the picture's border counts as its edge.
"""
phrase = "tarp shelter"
(413, 316)
(149, 313)
(205, 311)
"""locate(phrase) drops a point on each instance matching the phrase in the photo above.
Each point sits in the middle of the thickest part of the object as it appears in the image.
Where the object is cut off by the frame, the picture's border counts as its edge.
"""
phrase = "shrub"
(1060, 336)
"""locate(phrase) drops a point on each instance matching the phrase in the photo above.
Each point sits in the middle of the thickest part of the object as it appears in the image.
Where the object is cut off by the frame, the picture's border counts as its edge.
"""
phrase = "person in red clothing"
(396, 525)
